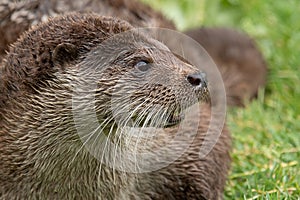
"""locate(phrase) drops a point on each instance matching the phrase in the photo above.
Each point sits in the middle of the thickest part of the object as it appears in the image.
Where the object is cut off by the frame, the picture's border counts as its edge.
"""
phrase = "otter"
(45, 80)
(240, 62)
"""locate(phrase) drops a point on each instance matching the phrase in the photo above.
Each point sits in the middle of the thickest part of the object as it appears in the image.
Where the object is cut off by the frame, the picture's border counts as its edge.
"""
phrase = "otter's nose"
(197, 79)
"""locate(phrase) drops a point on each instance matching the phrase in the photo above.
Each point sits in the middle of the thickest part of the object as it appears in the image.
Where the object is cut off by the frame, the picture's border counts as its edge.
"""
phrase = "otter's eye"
(142, 66)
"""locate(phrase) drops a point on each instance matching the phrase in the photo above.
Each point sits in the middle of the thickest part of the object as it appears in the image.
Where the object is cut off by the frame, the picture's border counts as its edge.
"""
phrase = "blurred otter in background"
(241, 64)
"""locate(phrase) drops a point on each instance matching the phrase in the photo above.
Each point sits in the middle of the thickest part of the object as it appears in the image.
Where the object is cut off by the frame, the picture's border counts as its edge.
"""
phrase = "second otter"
(240, 62)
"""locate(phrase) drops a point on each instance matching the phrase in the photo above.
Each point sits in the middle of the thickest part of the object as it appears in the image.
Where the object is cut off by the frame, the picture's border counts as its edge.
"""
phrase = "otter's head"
(98, 70)
(129, 88)
(137, 81)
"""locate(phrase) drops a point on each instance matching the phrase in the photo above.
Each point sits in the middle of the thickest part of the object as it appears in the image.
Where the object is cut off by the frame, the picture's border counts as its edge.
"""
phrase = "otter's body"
(42, 155)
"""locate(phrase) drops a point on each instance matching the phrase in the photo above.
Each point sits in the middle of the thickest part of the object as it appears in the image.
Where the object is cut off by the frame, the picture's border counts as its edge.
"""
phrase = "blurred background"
(266, 133)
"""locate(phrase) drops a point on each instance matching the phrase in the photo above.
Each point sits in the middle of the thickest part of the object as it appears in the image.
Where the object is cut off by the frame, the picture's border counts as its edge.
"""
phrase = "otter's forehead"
(159, 45)
(161, 54)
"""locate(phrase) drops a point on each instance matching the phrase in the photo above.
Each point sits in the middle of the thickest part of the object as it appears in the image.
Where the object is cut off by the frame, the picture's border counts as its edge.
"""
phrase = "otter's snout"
(197, 79)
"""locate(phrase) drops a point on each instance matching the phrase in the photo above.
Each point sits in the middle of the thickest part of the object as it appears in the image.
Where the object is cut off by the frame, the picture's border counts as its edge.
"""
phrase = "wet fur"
(41, 154)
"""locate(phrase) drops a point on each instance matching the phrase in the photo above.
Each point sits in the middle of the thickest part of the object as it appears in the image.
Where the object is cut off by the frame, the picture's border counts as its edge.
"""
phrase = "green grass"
(266, 134)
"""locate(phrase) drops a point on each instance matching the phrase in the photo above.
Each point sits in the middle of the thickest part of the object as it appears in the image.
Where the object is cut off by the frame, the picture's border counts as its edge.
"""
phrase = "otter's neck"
(44, 156)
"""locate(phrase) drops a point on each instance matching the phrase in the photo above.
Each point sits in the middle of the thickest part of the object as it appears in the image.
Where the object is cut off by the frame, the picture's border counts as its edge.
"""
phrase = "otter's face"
(148, 85)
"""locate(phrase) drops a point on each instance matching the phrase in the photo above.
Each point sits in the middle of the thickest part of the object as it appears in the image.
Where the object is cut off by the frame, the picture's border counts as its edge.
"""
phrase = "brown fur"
(240, 62)
(39, 155)
(190, 177)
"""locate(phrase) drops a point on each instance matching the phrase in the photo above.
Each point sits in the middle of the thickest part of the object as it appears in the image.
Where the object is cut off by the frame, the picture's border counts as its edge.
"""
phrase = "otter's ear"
(64, 53)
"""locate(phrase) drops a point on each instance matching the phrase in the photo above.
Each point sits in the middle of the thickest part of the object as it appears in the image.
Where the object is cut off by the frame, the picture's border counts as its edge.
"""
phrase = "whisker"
(84, 143)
